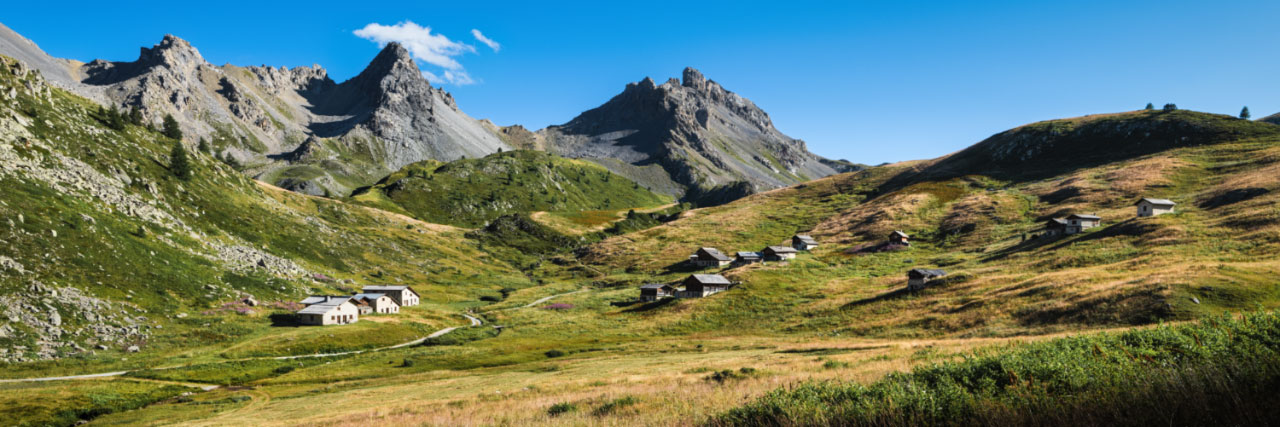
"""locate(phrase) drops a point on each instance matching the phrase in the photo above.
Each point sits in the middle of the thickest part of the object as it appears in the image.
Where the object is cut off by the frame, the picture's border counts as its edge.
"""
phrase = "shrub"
(561, 408)
(729, 374)
(407, 363)
(554, 353)
(835, 364)
(616, 404)
(490, 298)
(283, 370)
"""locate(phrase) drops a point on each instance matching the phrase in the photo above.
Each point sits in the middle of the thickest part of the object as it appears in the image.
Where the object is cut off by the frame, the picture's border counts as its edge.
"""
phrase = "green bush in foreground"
(1220, 371)
(561, 408)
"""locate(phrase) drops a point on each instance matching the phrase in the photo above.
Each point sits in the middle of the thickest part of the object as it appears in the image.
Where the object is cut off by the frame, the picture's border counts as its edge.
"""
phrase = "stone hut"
(1152, 207)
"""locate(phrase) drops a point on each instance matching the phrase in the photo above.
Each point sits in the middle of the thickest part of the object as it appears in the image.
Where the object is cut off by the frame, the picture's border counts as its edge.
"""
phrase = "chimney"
(326, 298)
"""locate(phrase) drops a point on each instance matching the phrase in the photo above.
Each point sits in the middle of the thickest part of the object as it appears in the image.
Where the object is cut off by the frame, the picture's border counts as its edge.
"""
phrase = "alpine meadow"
(193, 244)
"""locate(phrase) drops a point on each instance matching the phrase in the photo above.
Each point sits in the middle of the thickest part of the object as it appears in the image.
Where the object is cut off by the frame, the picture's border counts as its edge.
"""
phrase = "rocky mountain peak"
(172, 51)
(393, 60)
(694, 79)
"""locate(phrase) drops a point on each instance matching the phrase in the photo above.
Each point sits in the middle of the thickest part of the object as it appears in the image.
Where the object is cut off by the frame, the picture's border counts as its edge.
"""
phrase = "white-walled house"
(1152, 207)
(404, 296)
(341, 313)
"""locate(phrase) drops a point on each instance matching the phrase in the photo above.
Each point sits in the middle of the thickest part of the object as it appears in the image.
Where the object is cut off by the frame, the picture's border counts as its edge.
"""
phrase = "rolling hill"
(472, 192)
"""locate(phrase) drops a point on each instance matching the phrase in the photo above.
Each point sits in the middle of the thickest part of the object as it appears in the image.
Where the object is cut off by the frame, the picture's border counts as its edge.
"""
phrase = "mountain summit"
(699, 134)
(292, 127)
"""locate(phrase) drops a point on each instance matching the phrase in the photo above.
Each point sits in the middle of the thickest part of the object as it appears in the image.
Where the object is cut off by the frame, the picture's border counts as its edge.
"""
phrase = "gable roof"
(324, 299)
(321, 308)
(1081, 216)
(368, 296)
(926, 272)
(749, 255)
(1161, 202)
(780, 249)
(712, 253)
(379, 289)
(709, 279)
(657, 286)
(898, 233)
(805, 238)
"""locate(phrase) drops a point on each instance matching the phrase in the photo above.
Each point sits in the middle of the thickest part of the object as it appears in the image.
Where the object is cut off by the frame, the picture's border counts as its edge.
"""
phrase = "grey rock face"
(701, 134)
(384, 118)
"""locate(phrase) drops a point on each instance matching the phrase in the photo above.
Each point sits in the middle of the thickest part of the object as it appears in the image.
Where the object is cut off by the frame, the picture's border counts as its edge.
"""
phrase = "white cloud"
(487, 41)
(432, 49)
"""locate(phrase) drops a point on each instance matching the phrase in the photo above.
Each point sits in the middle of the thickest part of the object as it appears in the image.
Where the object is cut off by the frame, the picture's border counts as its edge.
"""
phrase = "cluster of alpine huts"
(323, 310)
(701, 285)
(919, 278)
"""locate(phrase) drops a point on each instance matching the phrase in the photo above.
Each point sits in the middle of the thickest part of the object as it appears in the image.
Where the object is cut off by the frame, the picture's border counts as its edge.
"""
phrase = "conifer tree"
(179, 164)
(1150, 106)
(1170, 106)
(203, 146)
(1244, 114)
(171, 128)
(135, 116)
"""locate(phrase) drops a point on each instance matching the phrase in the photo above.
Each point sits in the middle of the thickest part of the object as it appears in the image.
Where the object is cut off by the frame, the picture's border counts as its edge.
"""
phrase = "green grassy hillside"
(472, 192)
(105, 248)
(565, 340)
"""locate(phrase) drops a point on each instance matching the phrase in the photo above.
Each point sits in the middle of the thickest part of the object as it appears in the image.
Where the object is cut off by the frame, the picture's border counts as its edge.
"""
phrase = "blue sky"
(865, 81)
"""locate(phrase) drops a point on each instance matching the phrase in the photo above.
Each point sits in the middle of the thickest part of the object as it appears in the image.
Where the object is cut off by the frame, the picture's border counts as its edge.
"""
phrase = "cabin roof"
(1161, 202)
(780, 249)
(379, 289)
(1083, 216)
(320, 308)
(898, 233)
(710, 279)
(806, 239)
(656, 286)
(321, 299)
(927, 272)
(713, 253)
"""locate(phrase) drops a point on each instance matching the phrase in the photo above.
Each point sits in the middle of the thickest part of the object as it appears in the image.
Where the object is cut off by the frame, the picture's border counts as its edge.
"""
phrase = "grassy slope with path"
(825, 316)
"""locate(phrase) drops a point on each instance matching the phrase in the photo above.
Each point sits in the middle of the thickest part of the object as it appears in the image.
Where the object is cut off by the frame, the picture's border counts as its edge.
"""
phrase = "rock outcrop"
(384, 118)
(700, 134)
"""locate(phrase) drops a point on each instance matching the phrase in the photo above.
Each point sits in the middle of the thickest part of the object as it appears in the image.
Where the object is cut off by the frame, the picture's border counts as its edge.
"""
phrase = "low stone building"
(1079, 222)
(375, 303)
(656, 291)
(744, 258)
(404, 296)
(803, 242)
(709, 257)
(899, 238)
(330, 313)
(1152, 207)
(702, 285)
(778, 253)
(918, 278)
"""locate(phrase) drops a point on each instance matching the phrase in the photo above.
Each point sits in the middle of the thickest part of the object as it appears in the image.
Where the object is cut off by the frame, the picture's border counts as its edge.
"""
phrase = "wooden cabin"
(1152, 207)
(899, 238)
(709, 257)
(918, 278)
(404, 296)
(656, 291)
(744, 258)
(1077, 222)
(701, 285)
(778, 253)
(803, 242)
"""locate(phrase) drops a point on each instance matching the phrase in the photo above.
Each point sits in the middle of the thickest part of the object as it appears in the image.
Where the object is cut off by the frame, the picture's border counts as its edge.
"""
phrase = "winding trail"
(549, 298)
(474, 322)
